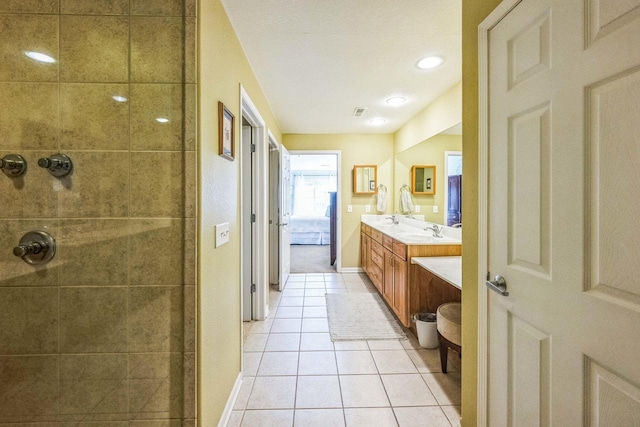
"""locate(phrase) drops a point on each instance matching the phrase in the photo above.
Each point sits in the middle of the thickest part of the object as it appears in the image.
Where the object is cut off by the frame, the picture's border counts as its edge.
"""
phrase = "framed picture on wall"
(226, 123)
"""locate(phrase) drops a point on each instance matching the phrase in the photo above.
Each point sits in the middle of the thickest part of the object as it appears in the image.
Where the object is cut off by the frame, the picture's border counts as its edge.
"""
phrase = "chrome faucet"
(435, 229)
(394, 219)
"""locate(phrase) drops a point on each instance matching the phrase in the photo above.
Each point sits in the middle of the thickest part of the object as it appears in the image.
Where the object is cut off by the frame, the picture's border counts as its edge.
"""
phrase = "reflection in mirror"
(423, 179)
(365, 179)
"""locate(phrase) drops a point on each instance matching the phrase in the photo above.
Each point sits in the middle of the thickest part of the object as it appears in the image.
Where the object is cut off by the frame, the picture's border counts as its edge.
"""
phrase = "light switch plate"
(222, 234)
(417, 208)
(435, 209)
(349, 208)
(367, 208)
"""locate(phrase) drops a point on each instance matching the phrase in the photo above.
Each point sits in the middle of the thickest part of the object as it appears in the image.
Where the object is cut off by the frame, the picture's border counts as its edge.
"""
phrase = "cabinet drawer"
(366, 229)
(387, 242)
(400, 249)
(376, 235)
(375, 274)
(376, 247)
(377, 259)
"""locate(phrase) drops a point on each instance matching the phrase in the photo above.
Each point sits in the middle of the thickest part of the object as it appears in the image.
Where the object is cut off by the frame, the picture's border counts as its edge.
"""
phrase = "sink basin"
(413, 235)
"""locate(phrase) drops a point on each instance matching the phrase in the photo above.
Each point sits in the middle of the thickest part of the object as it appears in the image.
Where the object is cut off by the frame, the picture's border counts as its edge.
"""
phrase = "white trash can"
(427, 329)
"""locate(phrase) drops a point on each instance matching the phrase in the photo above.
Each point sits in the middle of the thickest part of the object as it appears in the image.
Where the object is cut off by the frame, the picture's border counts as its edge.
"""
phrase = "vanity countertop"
(409, 233)
(447, 268)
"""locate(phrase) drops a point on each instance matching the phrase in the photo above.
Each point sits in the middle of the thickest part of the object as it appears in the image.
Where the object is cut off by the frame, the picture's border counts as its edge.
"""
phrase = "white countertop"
(412, 232)
(447, 268)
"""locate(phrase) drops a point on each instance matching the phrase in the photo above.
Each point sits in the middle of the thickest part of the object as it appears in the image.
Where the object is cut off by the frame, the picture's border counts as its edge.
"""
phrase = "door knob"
(36, 248)
(13, 165)
(58, 165)
(498, 284)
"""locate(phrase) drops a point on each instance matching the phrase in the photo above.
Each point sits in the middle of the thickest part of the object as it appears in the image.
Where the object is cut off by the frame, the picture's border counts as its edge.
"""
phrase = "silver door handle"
(499, 285)
(283, 223)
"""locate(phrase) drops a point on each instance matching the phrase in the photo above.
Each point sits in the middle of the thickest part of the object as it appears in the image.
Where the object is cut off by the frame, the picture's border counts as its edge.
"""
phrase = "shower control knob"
(36, 248)
(13, 165)
(58, 165)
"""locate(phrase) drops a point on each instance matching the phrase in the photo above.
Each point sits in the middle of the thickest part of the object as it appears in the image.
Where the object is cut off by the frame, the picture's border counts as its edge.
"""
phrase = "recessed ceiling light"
(40, 57)
(396, 101)
(162, 120)
(119, 98)
(429, 62)
(377, 121)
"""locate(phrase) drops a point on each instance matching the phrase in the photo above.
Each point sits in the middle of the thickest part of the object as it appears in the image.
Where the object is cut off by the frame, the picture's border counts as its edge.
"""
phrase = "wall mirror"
(423, 179)
(365, 179)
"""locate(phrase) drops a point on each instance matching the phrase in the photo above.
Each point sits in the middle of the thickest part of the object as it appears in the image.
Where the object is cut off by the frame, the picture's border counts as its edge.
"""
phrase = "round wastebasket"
(427, 329)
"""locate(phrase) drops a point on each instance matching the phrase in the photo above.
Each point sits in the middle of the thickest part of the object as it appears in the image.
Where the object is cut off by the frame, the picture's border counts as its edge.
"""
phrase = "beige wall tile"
(94, 7)
(29, 6)
(94, 49)
(156, 50)
(190, 381)
(16, 272)
(97, 187)
(93, 384)
(155, 249)
(157, 184)
(29, 319)
(152, 101)
(156, 423)
(25, 33)
(190, 7)
(90, 119)
(190, 49)
(155, 320)
(93, 320)
(190, 318)
(32, 393)
(190, 251)
(157, 7)
(190, 117)
(28, 116)
(190, 184)
(94, 252)
(31, 194)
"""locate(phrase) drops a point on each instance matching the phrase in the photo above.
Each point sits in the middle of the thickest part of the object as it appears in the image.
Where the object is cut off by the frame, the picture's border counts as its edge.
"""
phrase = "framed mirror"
(365, 179)
(423, 179)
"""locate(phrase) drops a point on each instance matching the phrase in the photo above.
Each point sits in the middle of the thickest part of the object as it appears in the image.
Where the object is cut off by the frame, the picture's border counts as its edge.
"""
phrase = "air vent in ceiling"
(358, 112)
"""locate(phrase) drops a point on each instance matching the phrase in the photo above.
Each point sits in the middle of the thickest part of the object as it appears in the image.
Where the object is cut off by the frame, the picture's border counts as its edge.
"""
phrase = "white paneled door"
(284, 217)
(560, 212)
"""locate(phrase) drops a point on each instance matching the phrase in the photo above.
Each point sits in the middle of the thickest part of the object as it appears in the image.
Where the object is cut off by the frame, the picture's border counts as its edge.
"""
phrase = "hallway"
(296, 376)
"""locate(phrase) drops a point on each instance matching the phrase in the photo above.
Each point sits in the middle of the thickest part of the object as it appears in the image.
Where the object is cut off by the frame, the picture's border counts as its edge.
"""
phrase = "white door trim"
(338, 153)
(483, 201)
(261, 191)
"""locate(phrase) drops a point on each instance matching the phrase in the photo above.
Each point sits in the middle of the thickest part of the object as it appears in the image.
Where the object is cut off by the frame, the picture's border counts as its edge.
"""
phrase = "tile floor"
(296, 376)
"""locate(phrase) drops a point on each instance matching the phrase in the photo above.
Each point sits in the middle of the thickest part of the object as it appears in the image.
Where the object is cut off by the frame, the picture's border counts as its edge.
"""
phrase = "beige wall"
(473, 13)
(222, 67)
(429, 152)
(356, 150)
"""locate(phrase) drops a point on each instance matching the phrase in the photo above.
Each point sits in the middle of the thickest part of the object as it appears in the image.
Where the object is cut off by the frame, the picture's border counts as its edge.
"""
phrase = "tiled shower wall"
(103, 335)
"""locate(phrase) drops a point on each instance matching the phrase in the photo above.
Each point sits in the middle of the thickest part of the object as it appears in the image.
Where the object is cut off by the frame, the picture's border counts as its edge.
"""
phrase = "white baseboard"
(351, 270)
(231, 402)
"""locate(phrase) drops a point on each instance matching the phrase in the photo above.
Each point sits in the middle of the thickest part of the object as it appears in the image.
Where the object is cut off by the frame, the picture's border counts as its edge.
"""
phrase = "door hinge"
(253, 217)
(253, 148)
(253, 288)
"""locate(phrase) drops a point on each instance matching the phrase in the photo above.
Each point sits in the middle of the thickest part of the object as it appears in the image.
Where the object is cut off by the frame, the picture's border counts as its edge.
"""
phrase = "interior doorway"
(453, 188)
(314, 221)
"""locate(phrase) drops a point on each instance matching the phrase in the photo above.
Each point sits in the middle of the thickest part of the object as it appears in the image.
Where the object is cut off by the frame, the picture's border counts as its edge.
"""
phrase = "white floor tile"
(291, 301)
(314, 285)
(431, 416)
(335, 285)
(317, 363)
(288, 312)
(411, 343)
(286, 325)
(255, 342)
(318, 392)
(453, 413)
(250, 361)
(235, 419)
(319, 418)
(312, 277)
(337, 291)
(315, 342)
(293, 292)
(445, 387)
(407, 390)
(378, 417)
(358, 287)
(261, 326)
(385, 344)
(279, 363)
(320, 312)
(283, 342)
(355, 362)
(315, 325)
(295, 284)
(315, 301)
(314, 292)
(273, 393)
(426, 361)
(351, 345)
(277, 418)
(352, 277)
(243, 394)
(296, 277)
(363, 391)
(393, 362)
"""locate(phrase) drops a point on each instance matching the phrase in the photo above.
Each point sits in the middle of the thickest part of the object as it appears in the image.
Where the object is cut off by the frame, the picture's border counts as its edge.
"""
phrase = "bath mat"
(361, 316)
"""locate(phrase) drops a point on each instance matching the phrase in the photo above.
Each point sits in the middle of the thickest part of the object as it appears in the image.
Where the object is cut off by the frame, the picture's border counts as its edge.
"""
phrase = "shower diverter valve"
(36, 248)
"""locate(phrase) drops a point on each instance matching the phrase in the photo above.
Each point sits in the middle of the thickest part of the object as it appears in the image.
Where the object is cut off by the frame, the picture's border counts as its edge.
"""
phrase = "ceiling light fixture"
(396, 101)
(119, 98)
(429, 62)
(40, 57)
(162, 120)
(378, 121)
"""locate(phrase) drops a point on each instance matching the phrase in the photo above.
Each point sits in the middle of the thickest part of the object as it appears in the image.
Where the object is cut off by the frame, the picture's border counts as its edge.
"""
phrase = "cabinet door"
(388, 285)
(400, 289)
(364, 252)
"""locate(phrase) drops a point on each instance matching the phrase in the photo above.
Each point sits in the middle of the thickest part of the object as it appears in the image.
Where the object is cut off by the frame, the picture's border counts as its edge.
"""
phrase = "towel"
(406, 203)
(382, 200)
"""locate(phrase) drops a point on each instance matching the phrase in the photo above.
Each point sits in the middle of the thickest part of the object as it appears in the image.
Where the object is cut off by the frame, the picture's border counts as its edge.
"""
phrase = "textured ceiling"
(317, 60)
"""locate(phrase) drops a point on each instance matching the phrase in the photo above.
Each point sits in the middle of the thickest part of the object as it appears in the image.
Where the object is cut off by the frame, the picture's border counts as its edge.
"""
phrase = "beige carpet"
(311, 259)
(361, 316)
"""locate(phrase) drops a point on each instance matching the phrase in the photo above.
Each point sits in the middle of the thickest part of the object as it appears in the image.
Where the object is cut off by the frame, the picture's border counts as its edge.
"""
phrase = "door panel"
(563, 203)
(285, 217)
